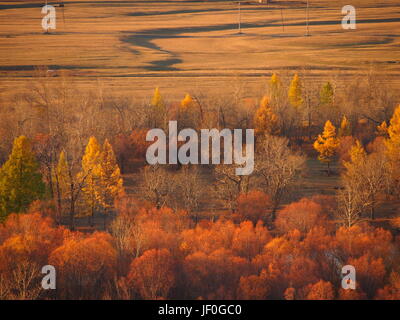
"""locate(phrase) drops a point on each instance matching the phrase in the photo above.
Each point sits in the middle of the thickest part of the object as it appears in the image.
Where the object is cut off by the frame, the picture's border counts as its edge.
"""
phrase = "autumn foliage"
(203, 232)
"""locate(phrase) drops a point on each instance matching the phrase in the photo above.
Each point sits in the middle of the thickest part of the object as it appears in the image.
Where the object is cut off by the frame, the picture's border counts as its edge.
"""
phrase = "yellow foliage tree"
(187, 102)
(357, 156)
(295, 92)
(157, 100)
(90, 170)
(275, 82)
(265, 120)
(158, 116)
(110, 183)
(276, 90)
(345, 128)
(326, 144)
(393, 145)
(382, 130)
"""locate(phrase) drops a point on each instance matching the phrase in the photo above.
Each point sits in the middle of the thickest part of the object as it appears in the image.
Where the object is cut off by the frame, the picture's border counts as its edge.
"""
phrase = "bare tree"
(229, 185)
(188, 189)
(156, 184)
(369, 177)
(278, 167)
(25, 281)
(350, 205)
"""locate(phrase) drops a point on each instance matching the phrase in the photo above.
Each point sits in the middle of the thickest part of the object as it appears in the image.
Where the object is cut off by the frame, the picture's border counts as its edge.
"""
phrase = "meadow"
(134, 46)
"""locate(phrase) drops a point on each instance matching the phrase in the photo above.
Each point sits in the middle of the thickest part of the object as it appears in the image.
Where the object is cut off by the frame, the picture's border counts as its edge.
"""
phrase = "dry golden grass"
(178, 45)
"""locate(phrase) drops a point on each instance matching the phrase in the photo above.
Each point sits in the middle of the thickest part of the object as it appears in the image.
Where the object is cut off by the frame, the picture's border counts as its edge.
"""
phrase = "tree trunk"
(71, 216)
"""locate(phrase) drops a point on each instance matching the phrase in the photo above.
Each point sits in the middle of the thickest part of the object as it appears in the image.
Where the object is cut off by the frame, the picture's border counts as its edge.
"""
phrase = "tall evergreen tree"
(326, 94)
(20, 179)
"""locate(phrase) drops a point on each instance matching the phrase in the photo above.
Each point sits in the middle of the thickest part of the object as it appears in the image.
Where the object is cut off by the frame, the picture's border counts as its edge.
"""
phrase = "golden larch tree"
(90, 170)
(357, 158)
(295, 92)
(275, 85)
(357, 153)
(275, 81)
(383, 130)
(393, 146)
(265, 120)
(276, 90)
(393, 143)
(110, 183)
(187, 102)
(158, 110)
(157, 100)
(326, 144)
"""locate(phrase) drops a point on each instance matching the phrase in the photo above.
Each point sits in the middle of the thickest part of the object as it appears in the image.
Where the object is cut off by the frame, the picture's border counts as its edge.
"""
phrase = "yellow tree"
(90, 170)
(158, 116)
(265, 120)
(190, 112)
(326, 144)
(275, 86)
(186, 112)
(345, 128)
(382, 130)
(393, 145)
(110, 181)
(187, 102)
(276, 91)
(295, 92)
(357, 155)
(275, 82)
(156, 100)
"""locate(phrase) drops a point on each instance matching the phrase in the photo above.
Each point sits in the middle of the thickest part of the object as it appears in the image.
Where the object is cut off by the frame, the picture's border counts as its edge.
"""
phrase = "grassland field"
(133, 46)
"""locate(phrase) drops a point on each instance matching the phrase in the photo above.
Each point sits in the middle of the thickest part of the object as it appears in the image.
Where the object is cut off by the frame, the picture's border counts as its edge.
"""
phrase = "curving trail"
(147, 38)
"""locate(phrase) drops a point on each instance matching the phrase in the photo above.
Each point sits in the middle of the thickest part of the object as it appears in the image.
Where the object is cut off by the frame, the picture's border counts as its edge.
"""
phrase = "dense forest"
(76, 193)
